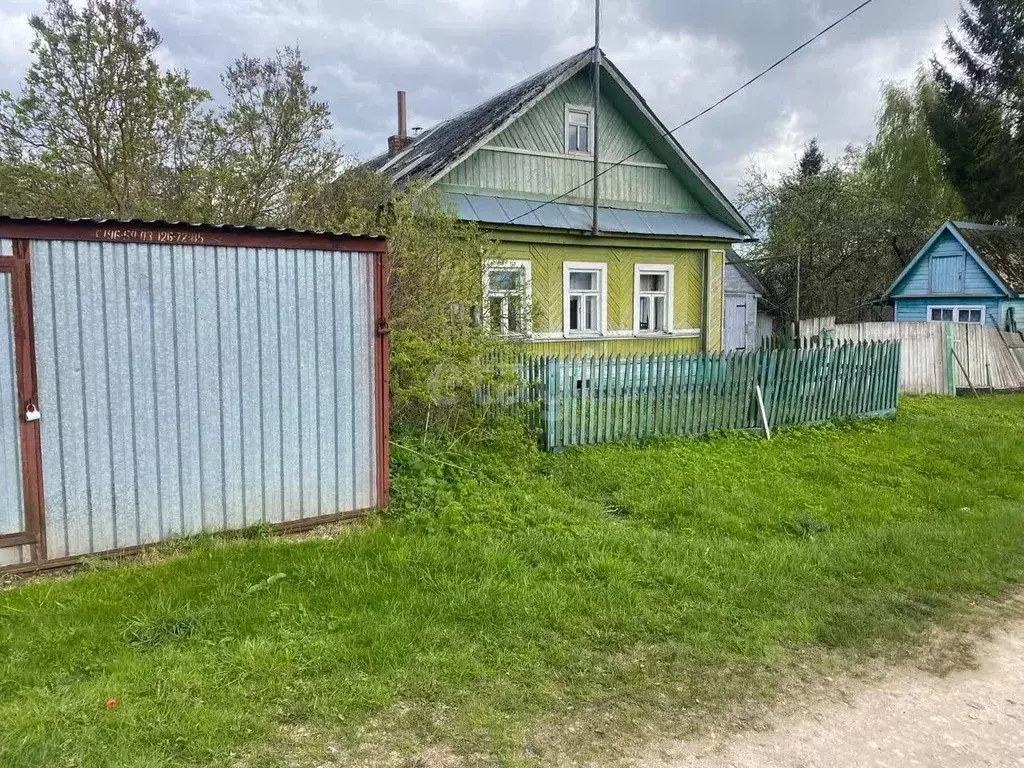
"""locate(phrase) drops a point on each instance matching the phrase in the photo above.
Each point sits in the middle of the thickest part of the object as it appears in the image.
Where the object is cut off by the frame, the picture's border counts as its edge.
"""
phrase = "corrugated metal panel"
(489, 209)
(191, 388)
(12, 508)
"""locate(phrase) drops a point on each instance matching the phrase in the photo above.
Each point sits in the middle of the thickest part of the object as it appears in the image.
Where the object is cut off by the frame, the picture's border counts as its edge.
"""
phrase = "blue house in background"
(966, 273)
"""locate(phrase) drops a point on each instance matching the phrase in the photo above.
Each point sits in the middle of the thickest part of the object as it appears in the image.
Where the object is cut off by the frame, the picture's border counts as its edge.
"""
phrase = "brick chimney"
(402, 139)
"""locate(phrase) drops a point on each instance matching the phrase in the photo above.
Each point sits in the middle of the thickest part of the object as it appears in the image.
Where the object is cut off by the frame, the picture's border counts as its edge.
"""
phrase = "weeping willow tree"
(904, 170)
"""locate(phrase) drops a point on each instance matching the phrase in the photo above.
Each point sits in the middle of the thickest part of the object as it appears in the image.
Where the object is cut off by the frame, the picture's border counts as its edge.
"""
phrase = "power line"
(748, 83)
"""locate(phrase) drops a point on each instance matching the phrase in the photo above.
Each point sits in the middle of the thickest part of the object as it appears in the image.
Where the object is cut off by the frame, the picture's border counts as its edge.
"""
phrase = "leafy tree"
(854, 222)
(350, 196)
(977, 117)
(97, 126)
(100, 130)
(904, 169)
(828, 223)
(276, 154)
(439, 353)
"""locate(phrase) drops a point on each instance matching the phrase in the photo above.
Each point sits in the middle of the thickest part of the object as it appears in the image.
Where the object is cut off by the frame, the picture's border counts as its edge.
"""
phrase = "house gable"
(528, 160)
(541, 129)
(946, 266)
(493, 148)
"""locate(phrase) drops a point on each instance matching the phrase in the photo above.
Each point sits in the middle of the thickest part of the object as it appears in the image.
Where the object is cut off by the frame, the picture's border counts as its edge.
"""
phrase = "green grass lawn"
(520, 594)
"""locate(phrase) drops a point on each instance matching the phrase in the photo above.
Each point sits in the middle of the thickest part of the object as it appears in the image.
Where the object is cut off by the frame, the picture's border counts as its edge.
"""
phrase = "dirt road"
(968, 718)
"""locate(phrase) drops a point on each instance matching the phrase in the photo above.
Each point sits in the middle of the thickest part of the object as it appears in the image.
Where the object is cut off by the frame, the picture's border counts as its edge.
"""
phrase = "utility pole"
(597, 107)
(798, 294)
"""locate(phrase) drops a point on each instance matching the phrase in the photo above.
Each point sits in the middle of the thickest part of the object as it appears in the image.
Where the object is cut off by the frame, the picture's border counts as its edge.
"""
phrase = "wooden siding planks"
(615, 346)
(546, 261)
(541, 130)
(927, 364)
(915, 310)
(946, 268)
(624, 186)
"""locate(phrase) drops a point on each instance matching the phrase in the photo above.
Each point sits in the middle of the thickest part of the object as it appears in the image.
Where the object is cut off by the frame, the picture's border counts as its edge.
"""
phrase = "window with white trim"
(652, 298)
(507, 297)
(577, 129)
(969, 315)
(584, 297)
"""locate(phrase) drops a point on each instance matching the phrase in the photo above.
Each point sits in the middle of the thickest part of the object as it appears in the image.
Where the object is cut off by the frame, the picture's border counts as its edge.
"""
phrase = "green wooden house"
(650, 281)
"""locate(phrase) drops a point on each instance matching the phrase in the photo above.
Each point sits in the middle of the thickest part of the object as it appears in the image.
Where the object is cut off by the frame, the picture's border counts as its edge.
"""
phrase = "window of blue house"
(970, 315)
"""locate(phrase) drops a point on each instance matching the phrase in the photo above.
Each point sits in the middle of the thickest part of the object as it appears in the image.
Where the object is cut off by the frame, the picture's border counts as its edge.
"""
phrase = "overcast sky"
(451, 54)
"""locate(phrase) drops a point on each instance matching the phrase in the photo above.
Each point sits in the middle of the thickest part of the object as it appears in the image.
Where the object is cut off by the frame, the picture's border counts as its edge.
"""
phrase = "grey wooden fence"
(937, 358)
(591, 400)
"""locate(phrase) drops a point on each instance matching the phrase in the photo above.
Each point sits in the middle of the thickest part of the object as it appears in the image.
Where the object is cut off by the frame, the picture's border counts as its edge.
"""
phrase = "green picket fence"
(592, 400)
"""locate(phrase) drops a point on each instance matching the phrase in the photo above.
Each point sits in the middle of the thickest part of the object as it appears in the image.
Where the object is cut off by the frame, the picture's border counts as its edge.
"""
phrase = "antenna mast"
(597, 107)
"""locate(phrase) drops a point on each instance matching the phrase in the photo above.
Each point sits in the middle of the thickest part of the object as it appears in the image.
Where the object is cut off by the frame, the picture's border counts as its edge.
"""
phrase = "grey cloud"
(451, 54)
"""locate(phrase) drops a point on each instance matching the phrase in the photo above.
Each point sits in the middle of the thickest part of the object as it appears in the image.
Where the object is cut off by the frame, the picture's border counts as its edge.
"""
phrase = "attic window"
(577, 129)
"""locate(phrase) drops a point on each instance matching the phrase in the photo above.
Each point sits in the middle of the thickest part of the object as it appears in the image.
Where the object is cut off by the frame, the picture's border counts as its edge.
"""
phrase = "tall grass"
(510, 592)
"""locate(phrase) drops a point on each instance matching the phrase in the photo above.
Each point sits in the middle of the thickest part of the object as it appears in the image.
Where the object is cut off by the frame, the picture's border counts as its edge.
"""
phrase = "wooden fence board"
(592, 400)
(926, 364)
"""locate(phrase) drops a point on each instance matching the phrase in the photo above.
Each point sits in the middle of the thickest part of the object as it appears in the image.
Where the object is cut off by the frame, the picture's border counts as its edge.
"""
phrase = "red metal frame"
(28, 432)
(382, 347)
(285, 529)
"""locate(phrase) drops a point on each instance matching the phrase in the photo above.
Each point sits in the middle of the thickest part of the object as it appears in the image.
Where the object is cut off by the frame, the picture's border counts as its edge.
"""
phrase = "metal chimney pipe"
(403, 123)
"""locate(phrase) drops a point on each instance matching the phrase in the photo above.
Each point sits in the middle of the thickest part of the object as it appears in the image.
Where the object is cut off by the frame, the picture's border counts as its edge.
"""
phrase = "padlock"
(32, 413)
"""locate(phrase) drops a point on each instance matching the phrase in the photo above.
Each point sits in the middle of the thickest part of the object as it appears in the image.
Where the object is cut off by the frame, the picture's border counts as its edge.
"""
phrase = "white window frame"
(602, 303)
(957, 308)
(505, 265)
(590, 130)
(669, 271)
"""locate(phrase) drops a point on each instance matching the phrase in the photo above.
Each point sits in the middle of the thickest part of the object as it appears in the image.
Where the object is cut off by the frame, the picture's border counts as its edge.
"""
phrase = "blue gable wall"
(947, 269)
(947, 275)
(915, 310)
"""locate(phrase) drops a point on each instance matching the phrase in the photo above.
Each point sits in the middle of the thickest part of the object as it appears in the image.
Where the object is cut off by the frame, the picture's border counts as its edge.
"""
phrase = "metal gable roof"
(443, 147)
(490, 209)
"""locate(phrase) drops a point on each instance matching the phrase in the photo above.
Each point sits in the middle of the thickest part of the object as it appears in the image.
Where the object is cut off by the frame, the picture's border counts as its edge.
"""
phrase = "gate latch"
(32, 413)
